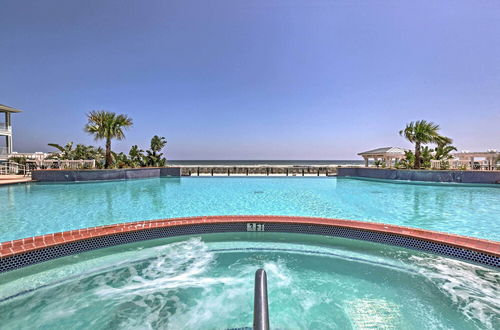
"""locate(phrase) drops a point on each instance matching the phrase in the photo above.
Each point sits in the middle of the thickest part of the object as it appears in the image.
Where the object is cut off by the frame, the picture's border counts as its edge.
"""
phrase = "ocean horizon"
(252, 162)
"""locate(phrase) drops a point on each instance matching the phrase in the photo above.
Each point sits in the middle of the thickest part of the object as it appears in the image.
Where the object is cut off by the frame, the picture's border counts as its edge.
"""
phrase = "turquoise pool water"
(35, 209)
(206, 282)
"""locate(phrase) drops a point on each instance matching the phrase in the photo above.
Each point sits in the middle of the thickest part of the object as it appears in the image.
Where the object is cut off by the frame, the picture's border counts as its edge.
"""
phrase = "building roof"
(383, 151)
(8, 109)
(467, 154)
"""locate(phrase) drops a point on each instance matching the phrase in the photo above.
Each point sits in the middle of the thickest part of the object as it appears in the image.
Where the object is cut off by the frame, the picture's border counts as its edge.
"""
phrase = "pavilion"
(387, 155)
(488, 158)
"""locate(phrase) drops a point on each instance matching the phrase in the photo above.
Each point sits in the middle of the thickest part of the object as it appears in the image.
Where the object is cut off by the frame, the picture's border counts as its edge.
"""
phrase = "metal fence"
(258, 170)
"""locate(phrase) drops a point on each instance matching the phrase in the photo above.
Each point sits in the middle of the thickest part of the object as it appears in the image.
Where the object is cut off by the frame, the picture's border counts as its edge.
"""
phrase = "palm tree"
(422, 132)
(154, 156)
(443, 151)
(426, 157)
(409, 160)
(136, 156)
(107, 125)
(66, 152)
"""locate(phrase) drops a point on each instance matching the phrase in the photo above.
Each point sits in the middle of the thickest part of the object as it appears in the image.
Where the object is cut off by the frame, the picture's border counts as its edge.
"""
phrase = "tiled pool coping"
(31, 250)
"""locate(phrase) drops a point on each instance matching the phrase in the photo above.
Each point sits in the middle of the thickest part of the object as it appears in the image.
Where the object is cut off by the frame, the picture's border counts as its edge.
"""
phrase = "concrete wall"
(422, 175)
(100, 175)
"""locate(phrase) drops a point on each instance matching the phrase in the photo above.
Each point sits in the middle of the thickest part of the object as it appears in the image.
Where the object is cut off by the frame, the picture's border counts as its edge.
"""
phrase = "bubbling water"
(156, 288)
(474, 289)
(194, 284)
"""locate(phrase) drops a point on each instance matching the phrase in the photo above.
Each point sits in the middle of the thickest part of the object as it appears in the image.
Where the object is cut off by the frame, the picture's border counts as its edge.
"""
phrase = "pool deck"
(11, 179)
(20, 246)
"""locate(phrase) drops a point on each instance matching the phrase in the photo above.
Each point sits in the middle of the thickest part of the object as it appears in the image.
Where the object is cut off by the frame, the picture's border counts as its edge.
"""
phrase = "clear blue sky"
(237, 79)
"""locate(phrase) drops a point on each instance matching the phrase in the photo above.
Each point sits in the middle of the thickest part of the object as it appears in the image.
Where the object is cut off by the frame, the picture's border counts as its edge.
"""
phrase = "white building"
(470, 160)
(6, 131)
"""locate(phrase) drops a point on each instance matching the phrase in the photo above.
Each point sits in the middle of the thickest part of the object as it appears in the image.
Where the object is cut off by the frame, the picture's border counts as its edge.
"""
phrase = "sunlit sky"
(237, 79)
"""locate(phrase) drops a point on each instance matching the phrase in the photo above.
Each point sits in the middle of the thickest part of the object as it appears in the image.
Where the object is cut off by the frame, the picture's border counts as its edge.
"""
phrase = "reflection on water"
(463, 210)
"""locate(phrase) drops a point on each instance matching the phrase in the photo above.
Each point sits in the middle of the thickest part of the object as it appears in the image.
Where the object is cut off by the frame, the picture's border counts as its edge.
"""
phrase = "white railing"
(11, 168)
(63, 164)
(31, 155)
(455, 164)
(4, 127)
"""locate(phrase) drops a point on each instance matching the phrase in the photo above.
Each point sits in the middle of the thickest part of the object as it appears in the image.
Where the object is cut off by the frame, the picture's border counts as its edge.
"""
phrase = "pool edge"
(387, 234)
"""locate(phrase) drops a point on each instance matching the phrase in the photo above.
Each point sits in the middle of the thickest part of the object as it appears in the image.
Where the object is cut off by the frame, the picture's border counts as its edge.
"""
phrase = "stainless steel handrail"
(260, 305)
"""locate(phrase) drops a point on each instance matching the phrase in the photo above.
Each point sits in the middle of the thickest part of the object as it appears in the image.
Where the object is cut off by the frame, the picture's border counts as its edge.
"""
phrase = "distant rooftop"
(385, 150)
(488, 151)
(8, 109)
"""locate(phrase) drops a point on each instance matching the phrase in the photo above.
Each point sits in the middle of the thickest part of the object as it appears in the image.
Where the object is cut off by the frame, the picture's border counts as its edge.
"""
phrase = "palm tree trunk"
(108, 153)
(416, 165)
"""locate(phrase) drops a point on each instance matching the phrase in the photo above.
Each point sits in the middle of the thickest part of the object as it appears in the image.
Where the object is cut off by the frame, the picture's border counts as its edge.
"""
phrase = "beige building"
(6, 131)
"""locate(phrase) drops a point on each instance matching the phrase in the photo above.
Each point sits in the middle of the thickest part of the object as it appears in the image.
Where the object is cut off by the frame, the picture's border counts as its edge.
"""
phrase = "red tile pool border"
(12, 248)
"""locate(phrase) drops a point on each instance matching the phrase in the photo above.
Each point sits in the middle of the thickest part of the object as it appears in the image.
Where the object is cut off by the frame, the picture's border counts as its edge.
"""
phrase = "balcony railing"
(4, 127)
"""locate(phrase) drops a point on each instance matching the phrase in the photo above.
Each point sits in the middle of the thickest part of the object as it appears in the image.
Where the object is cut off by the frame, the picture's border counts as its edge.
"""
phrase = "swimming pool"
(206, 282)
(36, 209)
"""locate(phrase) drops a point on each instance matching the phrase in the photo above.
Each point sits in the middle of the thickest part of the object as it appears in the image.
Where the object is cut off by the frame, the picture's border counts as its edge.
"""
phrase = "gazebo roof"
(5, 108)
(384, 151)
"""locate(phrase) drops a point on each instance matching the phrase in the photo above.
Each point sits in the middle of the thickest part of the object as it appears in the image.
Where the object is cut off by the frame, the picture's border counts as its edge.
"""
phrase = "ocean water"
(206, 282)
(36, 208)
(265, 162)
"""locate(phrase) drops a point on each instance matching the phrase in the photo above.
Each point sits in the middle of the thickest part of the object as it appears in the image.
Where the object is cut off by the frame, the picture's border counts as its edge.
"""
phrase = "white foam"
(177, 266)
(474, 289)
